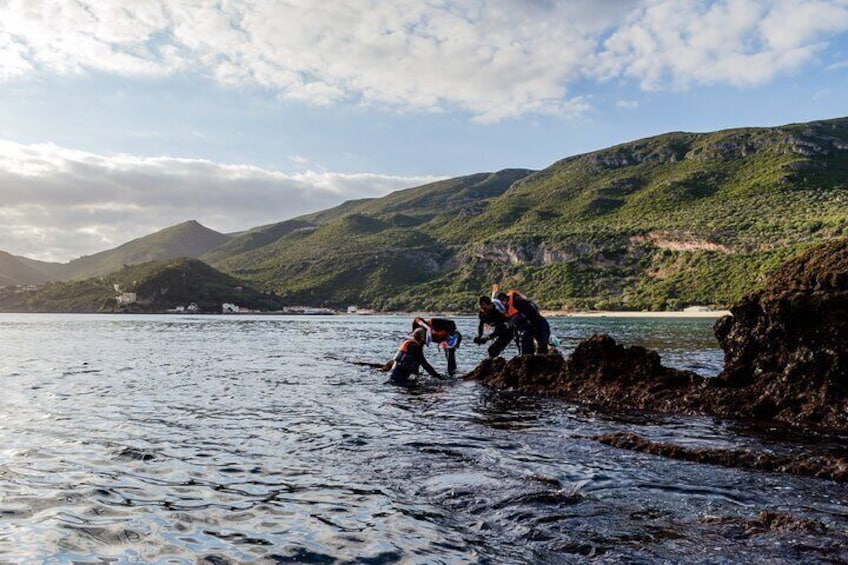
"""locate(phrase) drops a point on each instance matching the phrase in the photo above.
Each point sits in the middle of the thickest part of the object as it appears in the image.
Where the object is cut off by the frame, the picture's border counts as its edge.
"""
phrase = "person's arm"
(425, 365)
(480, 327)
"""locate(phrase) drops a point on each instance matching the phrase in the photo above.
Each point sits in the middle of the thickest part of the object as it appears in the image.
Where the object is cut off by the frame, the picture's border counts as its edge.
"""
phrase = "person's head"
(485, 303)
(503, 297)
(420, 335)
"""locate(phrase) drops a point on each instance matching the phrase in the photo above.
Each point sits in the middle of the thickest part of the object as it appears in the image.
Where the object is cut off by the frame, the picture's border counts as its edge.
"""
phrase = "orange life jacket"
(511, 310)
(405, 345)
(405, 360)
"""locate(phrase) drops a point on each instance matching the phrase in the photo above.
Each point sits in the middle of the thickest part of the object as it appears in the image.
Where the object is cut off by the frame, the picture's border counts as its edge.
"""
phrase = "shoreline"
(617, 314)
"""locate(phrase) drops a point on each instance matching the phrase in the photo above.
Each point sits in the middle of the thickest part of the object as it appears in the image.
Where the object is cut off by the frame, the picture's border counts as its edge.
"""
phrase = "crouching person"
(409, 358)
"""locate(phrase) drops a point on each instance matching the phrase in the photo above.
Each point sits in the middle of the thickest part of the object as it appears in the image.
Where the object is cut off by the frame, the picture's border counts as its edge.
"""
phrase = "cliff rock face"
(786, 346)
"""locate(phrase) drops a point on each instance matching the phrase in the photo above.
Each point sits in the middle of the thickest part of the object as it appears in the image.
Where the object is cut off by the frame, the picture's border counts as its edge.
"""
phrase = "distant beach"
(615, 314)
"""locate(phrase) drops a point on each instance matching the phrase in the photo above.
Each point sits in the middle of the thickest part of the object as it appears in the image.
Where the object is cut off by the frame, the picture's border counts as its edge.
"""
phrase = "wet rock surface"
(599, 371)
(816, 465)
(770, 522)
(786, 346)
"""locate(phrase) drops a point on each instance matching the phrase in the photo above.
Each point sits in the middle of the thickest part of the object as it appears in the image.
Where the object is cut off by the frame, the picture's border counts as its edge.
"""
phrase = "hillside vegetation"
(666, 222)
(662, 223)
(158, 285)
(15, 271)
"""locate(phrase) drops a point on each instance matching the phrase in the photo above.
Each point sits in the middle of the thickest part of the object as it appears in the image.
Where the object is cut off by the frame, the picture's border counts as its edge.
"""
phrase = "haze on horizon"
(122, 118)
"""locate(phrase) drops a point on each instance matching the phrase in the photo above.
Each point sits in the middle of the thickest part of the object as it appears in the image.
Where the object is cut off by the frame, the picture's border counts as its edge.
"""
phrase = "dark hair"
(502, 296)
(484, 300)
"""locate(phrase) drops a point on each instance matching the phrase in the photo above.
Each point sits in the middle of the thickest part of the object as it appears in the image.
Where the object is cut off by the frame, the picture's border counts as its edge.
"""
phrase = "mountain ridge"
(664, 222)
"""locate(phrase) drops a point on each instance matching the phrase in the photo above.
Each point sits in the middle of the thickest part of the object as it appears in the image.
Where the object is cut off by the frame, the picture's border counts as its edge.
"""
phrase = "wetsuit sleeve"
(480, 327)
(425, 365)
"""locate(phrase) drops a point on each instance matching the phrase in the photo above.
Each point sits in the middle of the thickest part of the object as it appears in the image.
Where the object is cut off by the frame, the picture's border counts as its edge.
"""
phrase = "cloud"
(496, 59)
(627, 104)
(57, 203)
(681, 43)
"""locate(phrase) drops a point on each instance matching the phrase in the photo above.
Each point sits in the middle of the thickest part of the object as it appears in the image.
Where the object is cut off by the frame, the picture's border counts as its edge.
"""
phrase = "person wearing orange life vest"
(527, 322)
(442, 332)
(408, 359)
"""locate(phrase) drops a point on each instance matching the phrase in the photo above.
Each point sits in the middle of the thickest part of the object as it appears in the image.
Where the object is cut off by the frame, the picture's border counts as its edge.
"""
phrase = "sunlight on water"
(258, 439)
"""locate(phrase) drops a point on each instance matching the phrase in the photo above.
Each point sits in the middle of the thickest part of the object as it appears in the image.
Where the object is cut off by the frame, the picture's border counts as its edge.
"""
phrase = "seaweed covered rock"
(599, 371)
(786, 345)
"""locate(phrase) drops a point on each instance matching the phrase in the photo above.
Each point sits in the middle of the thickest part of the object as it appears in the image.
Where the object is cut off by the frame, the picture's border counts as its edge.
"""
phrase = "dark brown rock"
(600, 372)
(786, 346)
(824, 466)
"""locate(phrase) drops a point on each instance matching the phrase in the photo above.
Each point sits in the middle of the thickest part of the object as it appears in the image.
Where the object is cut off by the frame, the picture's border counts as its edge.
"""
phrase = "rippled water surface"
(260, 440)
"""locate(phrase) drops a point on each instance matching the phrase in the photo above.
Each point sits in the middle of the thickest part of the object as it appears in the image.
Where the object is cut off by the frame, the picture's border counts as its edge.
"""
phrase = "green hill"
(15, 271)
(157, 285)
(661, 223)
(188, 239)
(368, 251)
(254, 239)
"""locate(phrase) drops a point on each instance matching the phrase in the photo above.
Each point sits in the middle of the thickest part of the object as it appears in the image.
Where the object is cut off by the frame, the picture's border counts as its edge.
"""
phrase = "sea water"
(260, 439)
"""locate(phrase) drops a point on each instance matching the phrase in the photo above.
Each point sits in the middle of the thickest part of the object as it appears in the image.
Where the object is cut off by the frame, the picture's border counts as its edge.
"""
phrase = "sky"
(119, 118)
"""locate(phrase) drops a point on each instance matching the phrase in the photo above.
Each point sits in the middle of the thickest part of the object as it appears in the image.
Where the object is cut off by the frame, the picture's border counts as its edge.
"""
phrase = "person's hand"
(479, 340)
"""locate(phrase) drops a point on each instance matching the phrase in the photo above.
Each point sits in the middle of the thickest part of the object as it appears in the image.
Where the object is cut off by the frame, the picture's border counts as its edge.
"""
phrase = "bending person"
(409, 358)
(491, 313)
(529, 325)
(442, 332)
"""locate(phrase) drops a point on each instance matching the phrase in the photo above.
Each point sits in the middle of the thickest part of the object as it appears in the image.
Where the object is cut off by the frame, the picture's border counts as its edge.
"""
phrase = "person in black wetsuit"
(443, 332)
(409, 357)
(527, 322)
(491, 313)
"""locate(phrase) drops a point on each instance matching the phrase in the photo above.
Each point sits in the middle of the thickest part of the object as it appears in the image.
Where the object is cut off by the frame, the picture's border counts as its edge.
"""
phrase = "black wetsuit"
(409, 358)
(529, 325)
(501, 331)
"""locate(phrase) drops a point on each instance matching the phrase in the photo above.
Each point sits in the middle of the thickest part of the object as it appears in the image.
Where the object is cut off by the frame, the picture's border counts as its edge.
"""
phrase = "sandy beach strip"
(613, 314)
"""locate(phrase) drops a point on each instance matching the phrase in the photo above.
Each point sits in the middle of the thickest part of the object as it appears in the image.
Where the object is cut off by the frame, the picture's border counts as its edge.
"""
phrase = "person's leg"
(451, 354)
(524, 338)
(543, 336)
(501, 342)
(399, 376)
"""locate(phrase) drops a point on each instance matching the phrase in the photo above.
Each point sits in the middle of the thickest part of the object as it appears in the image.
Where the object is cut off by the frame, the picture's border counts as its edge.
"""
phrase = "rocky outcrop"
(599, 372)
(785, 345)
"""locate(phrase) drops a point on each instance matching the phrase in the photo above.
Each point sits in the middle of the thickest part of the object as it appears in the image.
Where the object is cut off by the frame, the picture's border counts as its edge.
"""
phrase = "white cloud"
(56, 203)
(493, 58)
(837, 66)
(681, 43)
(496, 59)
(627, 104)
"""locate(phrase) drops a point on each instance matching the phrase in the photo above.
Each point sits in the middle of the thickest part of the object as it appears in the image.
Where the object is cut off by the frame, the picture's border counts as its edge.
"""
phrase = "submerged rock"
(820, 465)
